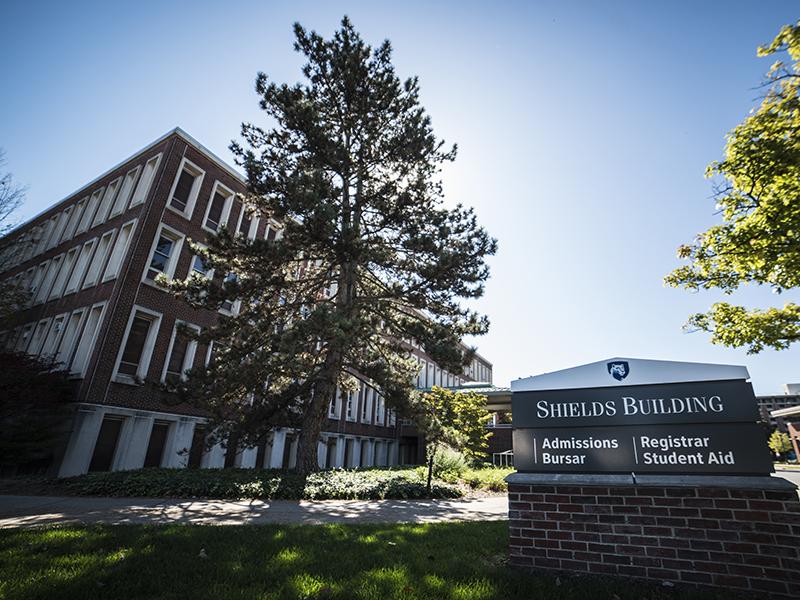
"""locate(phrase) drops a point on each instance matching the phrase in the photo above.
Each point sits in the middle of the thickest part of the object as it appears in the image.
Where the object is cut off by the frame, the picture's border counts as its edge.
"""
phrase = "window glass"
(180, 199)
(175, 366)
(132, 355)
(199, 266)
(215, 211)
(161, 256)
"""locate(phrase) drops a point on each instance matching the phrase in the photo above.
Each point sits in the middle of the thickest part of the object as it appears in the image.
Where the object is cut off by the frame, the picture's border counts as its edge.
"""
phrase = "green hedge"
(336, 484)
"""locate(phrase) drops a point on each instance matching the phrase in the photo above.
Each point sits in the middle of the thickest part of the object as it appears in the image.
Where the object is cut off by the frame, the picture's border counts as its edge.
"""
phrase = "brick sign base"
(728, 533)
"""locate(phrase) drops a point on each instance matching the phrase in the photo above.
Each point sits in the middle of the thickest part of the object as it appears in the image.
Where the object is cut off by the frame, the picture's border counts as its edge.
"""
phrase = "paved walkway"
(26, 511)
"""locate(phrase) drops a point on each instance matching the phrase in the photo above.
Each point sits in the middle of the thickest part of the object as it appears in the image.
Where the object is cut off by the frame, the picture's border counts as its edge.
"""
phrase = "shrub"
(489, 479)
(337, 484)
(449, 464)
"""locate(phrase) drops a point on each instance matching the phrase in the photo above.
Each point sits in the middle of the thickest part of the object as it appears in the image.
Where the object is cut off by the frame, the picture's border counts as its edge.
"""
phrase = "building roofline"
(174, 131)
(789, 411)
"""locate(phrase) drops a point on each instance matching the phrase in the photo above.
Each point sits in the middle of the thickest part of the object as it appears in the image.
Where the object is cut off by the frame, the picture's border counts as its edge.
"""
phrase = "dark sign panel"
(730, 448)
(699, 402)
(706, 427)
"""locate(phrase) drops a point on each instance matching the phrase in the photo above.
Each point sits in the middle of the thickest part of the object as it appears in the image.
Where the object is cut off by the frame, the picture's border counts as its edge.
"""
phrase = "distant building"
(768, 404)
(91, 266)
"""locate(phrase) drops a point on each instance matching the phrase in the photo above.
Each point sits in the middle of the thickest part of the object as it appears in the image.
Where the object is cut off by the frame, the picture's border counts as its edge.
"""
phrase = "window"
(164, 256)
(53, 336)
(81, 264)
(219, 208)
(140, 195)
(181, 354)
(39, 334)
(99, 260)
(199, 266)
(58, 231)
(45, 234)
(335, 407)
(87, 340)
(49, 278)
(229, 305)
(119, 251)
(91, 209)
(105, 203)
(271, 233)
(24, 338)
(158, 441)
(380, 411)
(38, 277)
(105, 447)
(31, 239)
(63, 273)
(350, 415)
(184, 191)
(70, 337)
(247, 224)
(366, 403)
(392, 418)
(134, 359)
(74, 219)
(124, 193)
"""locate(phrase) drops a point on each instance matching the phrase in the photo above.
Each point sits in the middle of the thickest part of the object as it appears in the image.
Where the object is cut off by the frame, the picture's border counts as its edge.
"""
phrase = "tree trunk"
(324, 389)
(430, 473)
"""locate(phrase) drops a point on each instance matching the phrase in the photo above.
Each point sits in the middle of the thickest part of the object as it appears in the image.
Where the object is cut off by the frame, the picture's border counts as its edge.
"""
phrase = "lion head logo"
(619, 369)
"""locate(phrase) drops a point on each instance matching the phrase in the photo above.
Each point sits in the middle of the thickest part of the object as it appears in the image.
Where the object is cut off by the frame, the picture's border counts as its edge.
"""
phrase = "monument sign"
(703, 426)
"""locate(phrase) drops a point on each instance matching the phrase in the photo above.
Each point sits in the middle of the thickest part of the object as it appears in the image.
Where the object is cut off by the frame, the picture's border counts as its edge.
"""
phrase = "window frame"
(122, 253)
(42, 325)
(121, 201)
(90, 344)
(106, 202)
(191, 350)
(60, 349)
(146, 356)
(191, 201)
(225, 216)
(54, 342)
(254, 223)
(92, 243)
(145, 182)
(60, 282)
(91, 210)
(177, 239)
(102, 258)
(71, 230)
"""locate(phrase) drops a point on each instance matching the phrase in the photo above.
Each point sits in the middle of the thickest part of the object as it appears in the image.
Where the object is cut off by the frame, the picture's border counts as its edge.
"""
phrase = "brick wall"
(742, 539)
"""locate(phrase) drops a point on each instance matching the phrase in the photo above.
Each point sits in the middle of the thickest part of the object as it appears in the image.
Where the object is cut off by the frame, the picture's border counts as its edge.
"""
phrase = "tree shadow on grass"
(380, 562)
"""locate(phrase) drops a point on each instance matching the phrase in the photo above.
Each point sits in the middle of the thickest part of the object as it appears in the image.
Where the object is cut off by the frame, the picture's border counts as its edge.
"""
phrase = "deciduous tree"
(34, 406)
(758, 197)
(453, 419)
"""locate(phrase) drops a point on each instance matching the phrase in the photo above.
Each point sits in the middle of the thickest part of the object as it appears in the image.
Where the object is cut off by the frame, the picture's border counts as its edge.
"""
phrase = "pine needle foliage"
(369, 256)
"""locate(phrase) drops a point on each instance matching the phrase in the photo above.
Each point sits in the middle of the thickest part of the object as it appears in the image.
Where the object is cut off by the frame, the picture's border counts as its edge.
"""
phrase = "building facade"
(89, 264)
(766, 404)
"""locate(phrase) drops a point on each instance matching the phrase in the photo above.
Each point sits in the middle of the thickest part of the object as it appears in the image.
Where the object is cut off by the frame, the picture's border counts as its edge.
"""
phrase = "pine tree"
(369, 257)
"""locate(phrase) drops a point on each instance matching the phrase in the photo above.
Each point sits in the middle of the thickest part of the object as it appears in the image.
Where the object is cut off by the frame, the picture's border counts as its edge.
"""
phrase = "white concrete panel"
(133, 441)
(213, 458)
(640, 372)
(278, 443)
(80, 447)
(179, 441)
(246, 459)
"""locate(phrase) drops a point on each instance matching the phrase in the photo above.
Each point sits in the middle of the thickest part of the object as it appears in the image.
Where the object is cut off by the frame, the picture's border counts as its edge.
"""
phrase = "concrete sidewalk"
(27, 511)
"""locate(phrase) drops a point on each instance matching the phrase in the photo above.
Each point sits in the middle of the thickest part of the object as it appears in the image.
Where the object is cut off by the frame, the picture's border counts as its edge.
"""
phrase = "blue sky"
(584, 129)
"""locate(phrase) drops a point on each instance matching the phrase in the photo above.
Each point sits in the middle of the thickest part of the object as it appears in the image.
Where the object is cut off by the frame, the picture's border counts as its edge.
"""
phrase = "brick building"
(767, 404)
(90, 262)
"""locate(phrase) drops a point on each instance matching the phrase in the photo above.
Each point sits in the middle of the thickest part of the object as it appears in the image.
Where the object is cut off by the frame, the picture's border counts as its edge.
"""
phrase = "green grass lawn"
(447, 560)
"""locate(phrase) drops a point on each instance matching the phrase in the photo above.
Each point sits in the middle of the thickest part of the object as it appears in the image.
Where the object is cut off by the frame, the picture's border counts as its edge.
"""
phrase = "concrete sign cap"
(621, 371)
